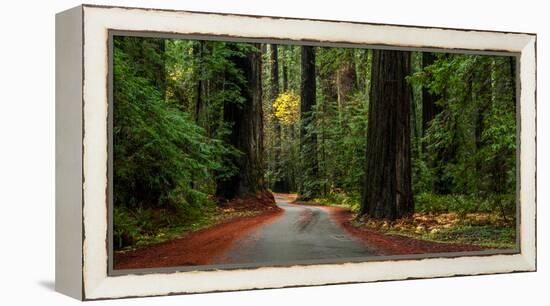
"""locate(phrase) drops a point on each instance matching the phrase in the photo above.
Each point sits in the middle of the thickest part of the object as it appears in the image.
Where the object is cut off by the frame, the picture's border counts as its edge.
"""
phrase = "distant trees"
(387, 191)
(282, 120)
(430, 109)
(473, 130)
(341, 120)
(280, 184)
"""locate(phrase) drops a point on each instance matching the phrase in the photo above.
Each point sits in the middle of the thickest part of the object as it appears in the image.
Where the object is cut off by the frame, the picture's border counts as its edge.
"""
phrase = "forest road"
(301, 233)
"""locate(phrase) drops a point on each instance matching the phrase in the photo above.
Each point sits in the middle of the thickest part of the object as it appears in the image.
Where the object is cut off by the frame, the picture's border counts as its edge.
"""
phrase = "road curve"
(301, 233)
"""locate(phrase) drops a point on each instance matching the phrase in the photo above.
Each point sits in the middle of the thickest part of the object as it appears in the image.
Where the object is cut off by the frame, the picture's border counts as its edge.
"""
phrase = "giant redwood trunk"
(246, 132)
(308, 140)
(387, 192)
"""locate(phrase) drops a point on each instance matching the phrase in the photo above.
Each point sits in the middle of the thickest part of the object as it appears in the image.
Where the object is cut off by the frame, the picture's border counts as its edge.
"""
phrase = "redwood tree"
(309, 186)
(387, 192)
(246, 120)
(429, 107)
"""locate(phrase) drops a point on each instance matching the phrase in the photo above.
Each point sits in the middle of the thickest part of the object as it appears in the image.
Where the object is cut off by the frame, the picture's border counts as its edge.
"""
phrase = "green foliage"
(430, 202)
(137, 227)
(163, 160)
(340, 120)
(202, 78)
(349, 200)
(471, 143)
(309, 180)
(282, 147)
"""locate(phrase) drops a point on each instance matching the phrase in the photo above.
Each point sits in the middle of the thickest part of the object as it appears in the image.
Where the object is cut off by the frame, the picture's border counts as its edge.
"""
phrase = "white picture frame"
(82, 154)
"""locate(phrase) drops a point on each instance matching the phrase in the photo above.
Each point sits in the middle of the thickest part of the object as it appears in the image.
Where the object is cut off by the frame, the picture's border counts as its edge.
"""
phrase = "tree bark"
(246, 132)
(346, 82)
(483, 98)
(429, 107)
(308, 140)
(200, 84)
(430, 110)
(387, 190)
(274, 71)
(280, 184)
(285, 71)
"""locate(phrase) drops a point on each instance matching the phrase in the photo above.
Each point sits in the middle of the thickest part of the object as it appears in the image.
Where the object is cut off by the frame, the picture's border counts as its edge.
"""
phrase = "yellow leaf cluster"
(286, 108)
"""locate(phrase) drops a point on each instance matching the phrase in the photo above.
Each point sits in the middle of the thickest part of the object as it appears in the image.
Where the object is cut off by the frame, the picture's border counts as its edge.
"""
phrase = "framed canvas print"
(201, 152)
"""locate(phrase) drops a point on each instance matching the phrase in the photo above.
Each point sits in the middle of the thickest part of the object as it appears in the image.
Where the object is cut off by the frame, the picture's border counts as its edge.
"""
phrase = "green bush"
(430, 202)
(350, 200)
(141, 226)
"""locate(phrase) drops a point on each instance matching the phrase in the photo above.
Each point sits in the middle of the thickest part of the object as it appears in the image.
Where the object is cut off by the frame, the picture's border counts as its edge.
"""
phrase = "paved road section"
(301, 233)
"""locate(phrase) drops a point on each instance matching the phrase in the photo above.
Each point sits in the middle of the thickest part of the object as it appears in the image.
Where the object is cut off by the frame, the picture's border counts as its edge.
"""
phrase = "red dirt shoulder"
(387, 244)
(202, 246)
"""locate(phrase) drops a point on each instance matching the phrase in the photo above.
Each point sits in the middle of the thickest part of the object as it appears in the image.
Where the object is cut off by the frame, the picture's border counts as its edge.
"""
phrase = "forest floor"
(200, 246)
(426, 232)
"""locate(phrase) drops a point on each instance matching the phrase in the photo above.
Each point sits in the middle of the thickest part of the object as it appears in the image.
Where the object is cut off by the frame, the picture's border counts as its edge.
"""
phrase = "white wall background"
(27, 152)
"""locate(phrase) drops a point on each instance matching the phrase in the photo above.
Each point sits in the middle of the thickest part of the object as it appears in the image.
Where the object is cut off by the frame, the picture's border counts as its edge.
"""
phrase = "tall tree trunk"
(430, 110)
(429, 107)
(309, 187)
(274, 71)
(285, 70)
(499, 84)
(504, 100)
(158, 44)
(346, 81)
(345, 84)
(289, 176)
(387, 190)
(482, 97)
(200, 84)
(279, 184)
(416, 105)
(246, 132)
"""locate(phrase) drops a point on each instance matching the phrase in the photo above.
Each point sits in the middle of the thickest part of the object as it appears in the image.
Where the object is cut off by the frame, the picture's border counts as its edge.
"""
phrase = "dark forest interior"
(406, 140)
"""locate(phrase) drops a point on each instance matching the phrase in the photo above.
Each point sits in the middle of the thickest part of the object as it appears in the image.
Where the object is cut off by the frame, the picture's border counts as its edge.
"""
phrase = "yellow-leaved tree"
(286, 107)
